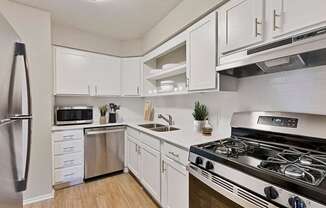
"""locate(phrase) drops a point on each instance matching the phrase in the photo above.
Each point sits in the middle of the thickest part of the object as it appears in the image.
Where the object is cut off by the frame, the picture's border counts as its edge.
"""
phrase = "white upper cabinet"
(130, 76)
(241, 24)
(201, 54)
(288, 16)
(83, 73)
(105, 75)
(72, 72)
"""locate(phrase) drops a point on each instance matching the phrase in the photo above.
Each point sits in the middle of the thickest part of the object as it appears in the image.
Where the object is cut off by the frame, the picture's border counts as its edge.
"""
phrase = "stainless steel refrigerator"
(15, 117)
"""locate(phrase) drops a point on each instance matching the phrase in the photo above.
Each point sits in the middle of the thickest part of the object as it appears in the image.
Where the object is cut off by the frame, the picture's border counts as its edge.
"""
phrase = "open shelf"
(168, 73)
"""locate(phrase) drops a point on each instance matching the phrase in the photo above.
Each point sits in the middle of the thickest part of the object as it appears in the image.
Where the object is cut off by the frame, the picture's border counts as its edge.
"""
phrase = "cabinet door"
(150, 171)
(240, 24)
(71, 72)
(201, 52)
(175, 188)
(133, 156)
(130, 76)
(106, 75)
(289, 15)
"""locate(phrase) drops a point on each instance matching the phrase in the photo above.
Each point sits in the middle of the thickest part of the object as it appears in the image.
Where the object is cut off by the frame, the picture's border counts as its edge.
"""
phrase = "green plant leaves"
(200, 112)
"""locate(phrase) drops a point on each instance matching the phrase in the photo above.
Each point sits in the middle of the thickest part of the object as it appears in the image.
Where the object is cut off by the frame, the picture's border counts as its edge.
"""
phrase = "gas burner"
(223, 150)
(231, 147)
(294, 172)
(296, 164)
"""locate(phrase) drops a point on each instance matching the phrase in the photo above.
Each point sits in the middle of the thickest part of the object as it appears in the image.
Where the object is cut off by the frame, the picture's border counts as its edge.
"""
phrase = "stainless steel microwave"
(70, 115)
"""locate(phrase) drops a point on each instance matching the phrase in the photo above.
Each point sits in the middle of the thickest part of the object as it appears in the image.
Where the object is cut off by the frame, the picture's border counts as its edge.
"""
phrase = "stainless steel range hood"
(297, 52)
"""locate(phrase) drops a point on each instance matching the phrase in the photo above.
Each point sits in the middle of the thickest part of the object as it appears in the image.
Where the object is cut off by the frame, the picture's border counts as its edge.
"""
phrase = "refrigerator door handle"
(21, 184)
(21, 117)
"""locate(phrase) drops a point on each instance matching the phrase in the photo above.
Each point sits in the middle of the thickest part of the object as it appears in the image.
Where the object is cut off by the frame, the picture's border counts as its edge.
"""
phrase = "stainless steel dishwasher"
(104, 151)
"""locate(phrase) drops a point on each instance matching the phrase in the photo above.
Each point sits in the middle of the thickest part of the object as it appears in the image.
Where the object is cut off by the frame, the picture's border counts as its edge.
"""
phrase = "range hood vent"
(285, 63)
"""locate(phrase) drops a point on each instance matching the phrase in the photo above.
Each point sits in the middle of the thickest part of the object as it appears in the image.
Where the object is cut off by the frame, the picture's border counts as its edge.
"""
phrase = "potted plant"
(103, 110)
(200, 115)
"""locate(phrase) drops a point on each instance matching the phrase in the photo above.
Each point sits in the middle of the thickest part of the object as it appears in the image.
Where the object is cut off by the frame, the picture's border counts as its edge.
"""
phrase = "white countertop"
(184, 138)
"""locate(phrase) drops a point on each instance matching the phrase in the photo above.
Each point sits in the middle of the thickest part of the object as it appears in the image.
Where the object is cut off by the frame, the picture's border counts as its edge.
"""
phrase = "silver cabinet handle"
(89, 90)
(67, 175)
(139, 152)
(96, 90)
(257, 23)
(174, 154)
(67, 149)
(136, 148)
(275, 15)
(68, 136)
(138, 90)
(163, 166)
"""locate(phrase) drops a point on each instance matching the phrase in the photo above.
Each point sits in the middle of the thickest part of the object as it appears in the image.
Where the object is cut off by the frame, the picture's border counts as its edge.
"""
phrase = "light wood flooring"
(119, 191)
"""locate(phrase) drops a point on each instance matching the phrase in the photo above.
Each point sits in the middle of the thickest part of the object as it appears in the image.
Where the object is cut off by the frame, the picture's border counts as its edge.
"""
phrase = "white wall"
(71, 37)
(294, 91)
(180, 17)
(68, 36)
(131, 48)
(34, 27)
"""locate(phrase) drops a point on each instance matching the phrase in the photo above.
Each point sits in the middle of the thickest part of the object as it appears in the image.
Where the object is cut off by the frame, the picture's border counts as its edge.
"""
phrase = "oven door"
(207, 190)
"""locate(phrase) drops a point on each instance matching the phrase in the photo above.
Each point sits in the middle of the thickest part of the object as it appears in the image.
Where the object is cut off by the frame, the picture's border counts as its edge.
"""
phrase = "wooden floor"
(119, 191)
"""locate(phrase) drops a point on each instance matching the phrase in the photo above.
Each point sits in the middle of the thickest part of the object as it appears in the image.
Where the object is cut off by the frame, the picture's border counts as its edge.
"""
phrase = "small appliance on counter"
(72, 115)
(113, 112)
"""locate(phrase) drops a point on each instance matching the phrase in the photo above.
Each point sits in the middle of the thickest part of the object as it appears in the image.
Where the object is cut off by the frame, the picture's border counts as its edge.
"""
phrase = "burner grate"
(296, 164)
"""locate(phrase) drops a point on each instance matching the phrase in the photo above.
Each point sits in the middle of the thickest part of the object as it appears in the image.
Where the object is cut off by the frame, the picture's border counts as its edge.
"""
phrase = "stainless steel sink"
(165, 129)
(151, 126)
(158, 127)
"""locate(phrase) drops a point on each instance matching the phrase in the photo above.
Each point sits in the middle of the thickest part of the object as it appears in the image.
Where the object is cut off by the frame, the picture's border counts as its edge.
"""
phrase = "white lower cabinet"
(133, 156)
(68, 158)
(160, 167)
(174, 185)
(150, 171)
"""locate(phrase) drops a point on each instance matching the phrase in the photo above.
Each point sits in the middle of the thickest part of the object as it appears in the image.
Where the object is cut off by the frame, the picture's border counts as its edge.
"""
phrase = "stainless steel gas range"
(272, 159)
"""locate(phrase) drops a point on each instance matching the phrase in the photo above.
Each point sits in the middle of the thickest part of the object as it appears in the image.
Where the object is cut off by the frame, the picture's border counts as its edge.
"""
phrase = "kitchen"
(235, 56)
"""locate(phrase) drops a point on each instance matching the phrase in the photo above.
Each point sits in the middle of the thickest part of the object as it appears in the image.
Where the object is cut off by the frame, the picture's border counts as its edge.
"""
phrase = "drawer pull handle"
(66, 149)
(70, 174)
(68, 136)
(68, 162)
(174, 154)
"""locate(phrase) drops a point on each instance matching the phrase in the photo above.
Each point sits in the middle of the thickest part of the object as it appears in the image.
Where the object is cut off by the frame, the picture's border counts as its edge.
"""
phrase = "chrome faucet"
(169, 120)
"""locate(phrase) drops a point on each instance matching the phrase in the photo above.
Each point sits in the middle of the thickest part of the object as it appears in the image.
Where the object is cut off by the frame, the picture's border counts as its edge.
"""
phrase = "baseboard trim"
(39, 198)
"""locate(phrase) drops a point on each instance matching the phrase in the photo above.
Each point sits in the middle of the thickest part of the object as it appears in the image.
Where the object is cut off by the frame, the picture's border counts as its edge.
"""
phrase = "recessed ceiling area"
(119, 19)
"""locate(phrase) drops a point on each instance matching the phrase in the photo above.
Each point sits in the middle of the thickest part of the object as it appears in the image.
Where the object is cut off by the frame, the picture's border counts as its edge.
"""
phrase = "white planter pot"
(198, 125)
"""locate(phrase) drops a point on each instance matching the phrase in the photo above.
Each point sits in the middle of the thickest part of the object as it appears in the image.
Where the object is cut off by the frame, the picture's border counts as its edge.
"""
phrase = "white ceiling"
(120, 19)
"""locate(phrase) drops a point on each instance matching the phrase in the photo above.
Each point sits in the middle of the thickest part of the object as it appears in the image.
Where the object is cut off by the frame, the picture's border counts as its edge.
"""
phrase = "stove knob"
(199, 161)
(209, 165)
(271, 193)
(296, 202)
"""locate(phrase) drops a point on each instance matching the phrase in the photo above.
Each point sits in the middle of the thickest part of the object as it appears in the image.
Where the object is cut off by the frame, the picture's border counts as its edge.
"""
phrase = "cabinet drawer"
(175, 153)
(150, 141)
(68, 174)
(68, 147)
(69, 160)
(67, 135)
(133, 133)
